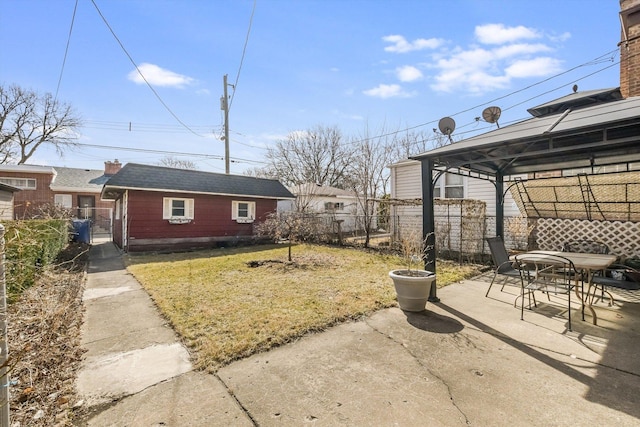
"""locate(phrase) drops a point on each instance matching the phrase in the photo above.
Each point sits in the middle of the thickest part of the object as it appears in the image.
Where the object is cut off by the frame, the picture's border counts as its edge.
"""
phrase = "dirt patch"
(44, 343)
(300, 261)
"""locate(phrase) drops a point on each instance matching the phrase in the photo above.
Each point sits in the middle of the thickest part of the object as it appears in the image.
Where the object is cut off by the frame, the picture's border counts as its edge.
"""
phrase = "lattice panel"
(623, 238)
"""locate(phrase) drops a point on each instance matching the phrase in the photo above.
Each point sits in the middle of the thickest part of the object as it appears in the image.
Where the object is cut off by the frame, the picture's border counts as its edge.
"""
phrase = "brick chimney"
(112, 168)
(630, 48)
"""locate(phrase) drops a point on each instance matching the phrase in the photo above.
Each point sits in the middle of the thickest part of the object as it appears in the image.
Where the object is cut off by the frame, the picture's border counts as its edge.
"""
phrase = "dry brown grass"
(231, 303)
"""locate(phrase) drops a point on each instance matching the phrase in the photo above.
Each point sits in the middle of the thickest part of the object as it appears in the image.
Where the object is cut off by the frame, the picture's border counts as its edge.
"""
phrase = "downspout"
(428, 223)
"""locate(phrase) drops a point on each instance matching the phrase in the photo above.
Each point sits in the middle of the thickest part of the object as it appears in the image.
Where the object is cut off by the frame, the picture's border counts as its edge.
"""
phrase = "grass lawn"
(230, 303)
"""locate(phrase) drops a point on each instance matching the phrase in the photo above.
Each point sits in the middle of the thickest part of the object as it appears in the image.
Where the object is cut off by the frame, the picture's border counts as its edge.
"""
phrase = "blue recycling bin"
(82, 230)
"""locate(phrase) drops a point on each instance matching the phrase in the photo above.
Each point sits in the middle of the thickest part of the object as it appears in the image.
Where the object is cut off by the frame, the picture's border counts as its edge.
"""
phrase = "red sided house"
(159, 208)
(71, 188)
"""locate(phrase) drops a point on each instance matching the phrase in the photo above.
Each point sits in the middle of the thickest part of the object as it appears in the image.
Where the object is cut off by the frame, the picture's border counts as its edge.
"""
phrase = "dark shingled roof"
(158, 178)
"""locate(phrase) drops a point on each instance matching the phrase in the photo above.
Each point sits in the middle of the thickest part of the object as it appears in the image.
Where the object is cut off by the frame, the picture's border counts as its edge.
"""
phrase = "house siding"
(6, 205)
(29, 203)
(406, 184)
(211, 224)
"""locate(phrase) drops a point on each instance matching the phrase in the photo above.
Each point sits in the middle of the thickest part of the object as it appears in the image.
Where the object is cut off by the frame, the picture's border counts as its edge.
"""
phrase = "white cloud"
(518, 49)
(506, 56)
(499, 34)
(159, 77)
(408, 73)
(537, 67)
(499, 55)
(401, 45)
(387, 91)
(560, 38)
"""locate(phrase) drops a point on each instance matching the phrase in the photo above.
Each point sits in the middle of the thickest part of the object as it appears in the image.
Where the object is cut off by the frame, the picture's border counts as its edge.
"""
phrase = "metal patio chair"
(550, 274)
(503, 266)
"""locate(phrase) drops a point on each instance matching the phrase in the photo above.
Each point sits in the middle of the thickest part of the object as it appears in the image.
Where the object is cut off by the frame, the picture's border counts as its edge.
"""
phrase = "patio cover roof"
(587, 129)
(581, 130)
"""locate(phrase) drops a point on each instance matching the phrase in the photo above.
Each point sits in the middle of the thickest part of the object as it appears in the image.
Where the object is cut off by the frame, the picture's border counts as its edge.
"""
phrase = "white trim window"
(63, 200)
(242, 211)
(22, 183)
(451, 185)
(177, 210)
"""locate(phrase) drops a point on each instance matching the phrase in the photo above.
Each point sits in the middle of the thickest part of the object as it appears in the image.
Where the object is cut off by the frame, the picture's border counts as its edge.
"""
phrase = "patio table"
(587, 263)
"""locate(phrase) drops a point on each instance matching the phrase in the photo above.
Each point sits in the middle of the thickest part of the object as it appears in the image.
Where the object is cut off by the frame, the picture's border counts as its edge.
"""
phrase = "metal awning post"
(500, 205)
(428, 224)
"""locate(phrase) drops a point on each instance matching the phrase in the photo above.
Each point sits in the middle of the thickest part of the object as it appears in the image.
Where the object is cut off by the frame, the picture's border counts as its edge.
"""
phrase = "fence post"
(4, 347)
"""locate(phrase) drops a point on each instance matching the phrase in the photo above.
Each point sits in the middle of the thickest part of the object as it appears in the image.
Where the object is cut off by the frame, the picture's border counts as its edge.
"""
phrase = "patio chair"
(585, 246)
(617, 276)
(503, 266)
(550, 274)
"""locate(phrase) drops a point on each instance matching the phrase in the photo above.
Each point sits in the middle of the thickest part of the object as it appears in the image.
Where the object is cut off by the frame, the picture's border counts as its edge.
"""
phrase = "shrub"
(29, 246)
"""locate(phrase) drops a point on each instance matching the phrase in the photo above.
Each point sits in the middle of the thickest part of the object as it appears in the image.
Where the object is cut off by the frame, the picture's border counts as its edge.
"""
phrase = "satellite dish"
(491, 115)
(447, 126)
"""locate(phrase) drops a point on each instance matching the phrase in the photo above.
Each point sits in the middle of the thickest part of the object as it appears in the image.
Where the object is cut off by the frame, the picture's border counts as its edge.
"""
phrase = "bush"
(29, 246)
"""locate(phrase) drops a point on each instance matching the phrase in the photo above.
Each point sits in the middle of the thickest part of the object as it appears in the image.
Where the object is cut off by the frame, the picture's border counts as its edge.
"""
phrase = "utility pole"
(224, 105)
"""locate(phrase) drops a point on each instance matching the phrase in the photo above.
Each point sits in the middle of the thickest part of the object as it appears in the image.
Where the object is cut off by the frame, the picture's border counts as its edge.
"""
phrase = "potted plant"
(413, 284)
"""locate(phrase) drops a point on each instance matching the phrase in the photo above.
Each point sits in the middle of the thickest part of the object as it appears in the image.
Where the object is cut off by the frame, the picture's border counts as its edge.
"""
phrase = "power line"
(147, 150)
(174, 153)
(66, 50)
(144, 127)
(244, 50)
(142, 75)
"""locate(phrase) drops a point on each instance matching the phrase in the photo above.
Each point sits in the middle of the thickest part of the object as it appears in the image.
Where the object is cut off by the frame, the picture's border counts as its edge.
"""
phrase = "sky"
(373, 67)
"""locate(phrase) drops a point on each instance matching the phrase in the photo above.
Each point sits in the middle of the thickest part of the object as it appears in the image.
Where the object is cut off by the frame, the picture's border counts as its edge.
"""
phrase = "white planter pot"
(412, 289)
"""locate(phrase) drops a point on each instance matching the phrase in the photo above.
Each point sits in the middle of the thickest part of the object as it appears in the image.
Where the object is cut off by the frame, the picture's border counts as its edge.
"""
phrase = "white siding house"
(464, 209)
(6, 201)
(333, 203)
(406, 184)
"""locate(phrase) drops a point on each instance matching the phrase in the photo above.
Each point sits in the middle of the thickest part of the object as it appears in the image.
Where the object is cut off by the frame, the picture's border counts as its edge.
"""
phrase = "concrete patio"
(467, 360)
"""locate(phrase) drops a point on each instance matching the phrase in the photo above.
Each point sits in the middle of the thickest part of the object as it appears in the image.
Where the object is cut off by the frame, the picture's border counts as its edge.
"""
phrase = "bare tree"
(260, 172)
(174, 162)
(410, 143)
(29, 120)
(292, 227)
(312, 156)
(369, 174)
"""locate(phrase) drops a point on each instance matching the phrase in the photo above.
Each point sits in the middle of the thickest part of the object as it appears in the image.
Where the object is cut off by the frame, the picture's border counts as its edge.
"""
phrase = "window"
(63, 200)
(117, 209)
(243, 211)
(330, 206)
(451, 185)
(23, 183)
(177, 209)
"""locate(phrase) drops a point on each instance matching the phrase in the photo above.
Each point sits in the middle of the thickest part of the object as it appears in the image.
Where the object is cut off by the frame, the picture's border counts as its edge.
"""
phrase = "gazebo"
(587, 130)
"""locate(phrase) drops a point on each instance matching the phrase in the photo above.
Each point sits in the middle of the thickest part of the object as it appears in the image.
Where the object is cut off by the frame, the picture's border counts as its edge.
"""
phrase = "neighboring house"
(333, 203)
(159, 208)
(44, 187)
(6, 201)
(406, 185)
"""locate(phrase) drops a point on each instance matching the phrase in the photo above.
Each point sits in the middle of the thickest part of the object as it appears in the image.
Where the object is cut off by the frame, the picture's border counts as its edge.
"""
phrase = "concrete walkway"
(468, 360)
